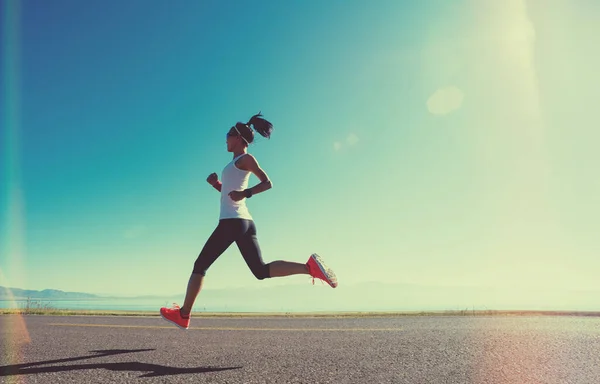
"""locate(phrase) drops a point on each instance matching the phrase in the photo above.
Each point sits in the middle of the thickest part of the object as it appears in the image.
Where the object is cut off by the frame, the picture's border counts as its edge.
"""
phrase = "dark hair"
(260, 125)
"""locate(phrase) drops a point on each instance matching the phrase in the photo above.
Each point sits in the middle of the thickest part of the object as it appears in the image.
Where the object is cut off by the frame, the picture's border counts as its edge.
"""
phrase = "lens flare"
(14, 336)
(14, 329)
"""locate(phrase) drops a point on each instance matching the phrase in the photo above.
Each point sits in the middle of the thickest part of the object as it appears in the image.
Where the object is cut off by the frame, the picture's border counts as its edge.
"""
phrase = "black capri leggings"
(243, 232)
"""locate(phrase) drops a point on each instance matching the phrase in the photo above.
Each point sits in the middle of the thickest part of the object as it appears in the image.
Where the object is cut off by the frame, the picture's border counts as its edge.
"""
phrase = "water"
(112, 304)
(135, 304)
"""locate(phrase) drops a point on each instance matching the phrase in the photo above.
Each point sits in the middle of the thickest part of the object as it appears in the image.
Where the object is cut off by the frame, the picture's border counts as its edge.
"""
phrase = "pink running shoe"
(318, 269)
(173, 315)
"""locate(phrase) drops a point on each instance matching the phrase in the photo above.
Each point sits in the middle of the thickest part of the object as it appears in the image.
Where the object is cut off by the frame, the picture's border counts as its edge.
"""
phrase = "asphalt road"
(435, 349)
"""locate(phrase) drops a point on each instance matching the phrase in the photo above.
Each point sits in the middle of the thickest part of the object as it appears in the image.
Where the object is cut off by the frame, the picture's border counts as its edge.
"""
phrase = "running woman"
(236, 223)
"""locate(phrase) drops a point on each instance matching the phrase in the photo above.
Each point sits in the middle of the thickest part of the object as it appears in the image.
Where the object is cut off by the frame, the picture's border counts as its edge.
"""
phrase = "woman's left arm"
(249, 163)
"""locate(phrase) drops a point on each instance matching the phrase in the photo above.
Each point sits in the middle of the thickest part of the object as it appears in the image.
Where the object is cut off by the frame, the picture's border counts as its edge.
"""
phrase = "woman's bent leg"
(250, 249)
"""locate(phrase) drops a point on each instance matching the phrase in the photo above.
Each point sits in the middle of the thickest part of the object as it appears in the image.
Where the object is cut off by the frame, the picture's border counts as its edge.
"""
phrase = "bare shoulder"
(249, 158)
(247, 162)
(250, 164)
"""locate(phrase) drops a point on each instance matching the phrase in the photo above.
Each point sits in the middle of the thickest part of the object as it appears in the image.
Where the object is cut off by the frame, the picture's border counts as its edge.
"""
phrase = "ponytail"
(262, 126)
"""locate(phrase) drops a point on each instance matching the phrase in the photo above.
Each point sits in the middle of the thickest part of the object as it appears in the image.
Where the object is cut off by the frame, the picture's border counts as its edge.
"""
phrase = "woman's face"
(232, 139)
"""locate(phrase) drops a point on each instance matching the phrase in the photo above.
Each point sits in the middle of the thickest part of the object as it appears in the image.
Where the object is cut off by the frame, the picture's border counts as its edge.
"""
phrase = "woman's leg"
(250, 249)
(218, 242)
(193, 289)
(281, 268)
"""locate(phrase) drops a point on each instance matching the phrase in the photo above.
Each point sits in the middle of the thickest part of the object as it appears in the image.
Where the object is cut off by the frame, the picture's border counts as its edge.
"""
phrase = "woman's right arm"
(213, 180)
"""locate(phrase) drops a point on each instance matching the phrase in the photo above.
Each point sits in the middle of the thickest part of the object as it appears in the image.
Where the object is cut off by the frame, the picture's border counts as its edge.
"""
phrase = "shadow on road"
(151, 370)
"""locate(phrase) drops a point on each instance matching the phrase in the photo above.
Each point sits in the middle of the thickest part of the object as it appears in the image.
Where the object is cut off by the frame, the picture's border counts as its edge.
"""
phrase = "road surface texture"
(403, 349)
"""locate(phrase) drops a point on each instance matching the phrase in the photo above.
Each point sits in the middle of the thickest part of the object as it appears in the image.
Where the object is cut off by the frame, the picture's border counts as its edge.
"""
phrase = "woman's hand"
(237, 195)
(212, 178)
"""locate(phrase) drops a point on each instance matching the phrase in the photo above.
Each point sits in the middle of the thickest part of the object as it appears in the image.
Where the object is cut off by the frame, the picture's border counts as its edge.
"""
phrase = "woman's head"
(242, 133)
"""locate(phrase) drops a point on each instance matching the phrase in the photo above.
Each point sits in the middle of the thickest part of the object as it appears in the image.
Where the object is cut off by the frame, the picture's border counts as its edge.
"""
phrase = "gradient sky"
(436, 143)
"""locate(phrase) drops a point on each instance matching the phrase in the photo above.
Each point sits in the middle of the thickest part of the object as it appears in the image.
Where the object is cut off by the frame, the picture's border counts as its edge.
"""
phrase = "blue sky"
(436, 143)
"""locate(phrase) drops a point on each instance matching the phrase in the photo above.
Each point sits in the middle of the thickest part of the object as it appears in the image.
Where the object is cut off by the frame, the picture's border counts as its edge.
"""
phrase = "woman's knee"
(262, 272)
(199, 267)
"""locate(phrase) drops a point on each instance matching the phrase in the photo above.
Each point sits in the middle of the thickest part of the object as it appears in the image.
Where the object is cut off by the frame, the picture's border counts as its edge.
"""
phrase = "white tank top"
(234, 179)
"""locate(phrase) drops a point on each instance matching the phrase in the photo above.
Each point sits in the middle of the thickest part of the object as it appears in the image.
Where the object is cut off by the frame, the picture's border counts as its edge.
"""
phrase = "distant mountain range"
(367, 296)
(54, 294)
